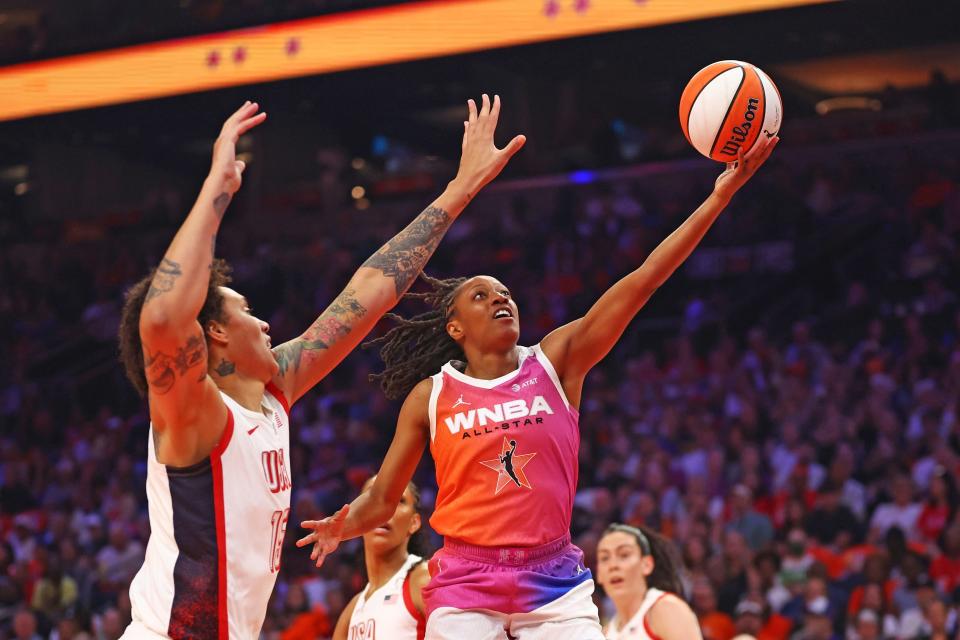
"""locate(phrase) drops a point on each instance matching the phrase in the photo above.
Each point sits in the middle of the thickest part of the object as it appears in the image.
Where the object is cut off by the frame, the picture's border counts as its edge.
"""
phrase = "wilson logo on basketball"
(740, 132)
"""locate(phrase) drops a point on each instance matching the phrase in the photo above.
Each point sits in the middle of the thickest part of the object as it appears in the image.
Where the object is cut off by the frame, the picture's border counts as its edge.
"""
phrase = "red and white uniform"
(388, 611)
(636, 627)
(217, 531)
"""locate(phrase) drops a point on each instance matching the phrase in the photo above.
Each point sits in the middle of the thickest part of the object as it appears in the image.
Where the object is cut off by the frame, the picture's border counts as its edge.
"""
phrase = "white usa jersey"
(636, 628)
(217, 530)
(388, 613)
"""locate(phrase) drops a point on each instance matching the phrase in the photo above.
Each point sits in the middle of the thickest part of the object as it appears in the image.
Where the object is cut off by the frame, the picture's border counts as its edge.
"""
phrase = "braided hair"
(417, 347)
(666, 561)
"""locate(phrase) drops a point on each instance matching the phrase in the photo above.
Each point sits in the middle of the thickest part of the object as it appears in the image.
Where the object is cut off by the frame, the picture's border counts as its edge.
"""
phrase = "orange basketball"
(726, 106)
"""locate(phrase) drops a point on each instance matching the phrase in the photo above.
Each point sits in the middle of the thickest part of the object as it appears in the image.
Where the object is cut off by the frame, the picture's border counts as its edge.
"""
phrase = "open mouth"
(502, 313)
(616, 581)
(383, 529)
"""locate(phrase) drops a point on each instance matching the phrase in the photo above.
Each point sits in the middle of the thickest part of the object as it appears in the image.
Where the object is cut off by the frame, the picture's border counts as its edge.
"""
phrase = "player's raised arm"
(381, 281)
(576, 347)
(183, 400)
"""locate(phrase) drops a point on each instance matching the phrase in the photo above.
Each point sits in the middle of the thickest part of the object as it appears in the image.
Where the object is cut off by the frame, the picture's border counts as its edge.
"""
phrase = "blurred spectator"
(120, 561)
(755, 527)
(55, 593)
(25, 626)
(832, 523)
(715, 624)
(902, 512)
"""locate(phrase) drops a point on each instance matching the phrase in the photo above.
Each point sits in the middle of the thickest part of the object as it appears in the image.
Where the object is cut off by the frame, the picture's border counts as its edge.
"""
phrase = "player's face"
(248, 339)
(485, 313)
(397, 530)
(621, 566)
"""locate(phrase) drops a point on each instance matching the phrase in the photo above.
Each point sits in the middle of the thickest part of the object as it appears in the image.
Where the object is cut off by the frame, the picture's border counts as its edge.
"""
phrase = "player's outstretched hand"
(225, 165)
(480, 160)
(737, 173)
(326, 534)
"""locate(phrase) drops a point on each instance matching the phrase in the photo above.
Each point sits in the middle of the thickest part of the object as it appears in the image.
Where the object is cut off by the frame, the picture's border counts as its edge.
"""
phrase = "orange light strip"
(331, 43)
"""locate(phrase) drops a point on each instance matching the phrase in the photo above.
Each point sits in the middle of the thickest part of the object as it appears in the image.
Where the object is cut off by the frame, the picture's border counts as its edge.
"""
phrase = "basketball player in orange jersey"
(638, 570)
(479, 401)
(392, 602)
(217, 469)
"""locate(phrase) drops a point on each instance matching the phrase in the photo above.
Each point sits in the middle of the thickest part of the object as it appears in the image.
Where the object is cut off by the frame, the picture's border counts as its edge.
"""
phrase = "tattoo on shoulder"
(225, 368)
(163, 369)
(404, 256)
(220, 204)
(334, 323)
(164, 279)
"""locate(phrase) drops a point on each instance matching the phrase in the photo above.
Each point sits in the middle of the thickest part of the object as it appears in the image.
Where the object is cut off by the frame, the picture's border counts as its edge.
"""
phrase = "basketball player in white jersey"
(217, 473)
(390, 607)
(638, 570)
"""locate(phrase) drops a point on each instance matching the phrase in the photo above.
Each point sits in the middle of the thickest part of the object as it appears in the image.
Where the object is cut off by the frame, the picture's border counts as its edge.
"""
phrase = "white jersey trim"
(432, 405)
(488, 384)
(638, 621)
(548, 366)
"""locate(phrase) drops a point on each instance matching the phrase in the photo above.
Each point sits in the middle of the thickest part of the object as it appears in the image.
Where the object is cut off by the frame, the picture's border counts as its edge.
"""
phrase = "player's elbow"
(154, 322)
(378, 292)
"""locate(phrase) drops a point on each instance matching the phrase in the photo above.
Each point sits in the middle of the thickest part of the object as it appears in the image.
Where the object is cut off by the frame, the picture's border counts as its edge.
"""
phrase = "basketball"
(726, 106)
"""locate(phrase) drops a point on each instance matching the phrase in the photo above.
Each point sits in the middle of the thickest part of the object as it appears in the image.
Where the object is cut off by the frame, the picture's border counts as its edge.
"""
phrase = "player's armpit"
(186, 409)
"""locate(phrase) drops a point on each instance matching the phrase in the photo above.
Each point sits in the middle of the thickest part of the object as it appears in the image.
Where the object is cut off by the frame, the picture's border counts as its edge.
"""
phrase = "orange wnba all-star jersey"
(506, 455)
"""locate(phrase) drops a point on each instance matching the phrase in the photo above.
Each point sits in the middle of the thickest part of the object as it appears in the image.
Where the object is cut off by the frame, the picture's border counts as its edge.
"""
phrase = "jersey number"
(278, 522)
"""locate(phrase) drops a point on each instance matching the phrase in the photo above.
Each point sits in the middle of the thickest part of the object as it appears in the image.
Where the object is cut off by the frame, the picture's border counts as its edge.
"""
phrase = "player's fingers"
(307, 539)
(771, 145)
(514, 145)
(472, 110)
(485, 106)
(495, 112)
(250, 123)
(342, 513)
(309, 524)
(240, 166)
(245, 111)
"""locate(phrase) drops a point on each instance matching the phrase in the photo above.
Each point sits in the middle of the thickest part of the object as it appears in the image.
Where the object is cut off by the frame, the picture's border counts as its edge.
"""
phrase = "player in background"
(638, 569)
(391, 603)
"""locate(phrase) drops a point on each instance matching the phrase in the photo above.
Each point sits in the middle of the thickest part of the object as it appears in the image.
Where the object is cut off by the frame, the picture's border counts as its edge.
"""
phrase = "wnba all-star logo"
(509, 466)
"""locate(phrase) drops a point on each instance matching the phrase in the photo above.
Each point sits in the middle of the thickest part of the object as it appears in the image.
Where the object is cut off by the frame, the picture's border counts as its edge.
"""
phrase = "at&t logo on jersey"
(515, 413)
(523, 385)
(275, 470)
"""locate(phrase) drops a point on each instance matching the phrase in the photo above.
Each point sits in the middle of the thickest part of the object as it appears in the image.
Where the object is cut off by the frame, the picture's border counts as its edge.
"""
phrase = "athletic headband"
(635, 532)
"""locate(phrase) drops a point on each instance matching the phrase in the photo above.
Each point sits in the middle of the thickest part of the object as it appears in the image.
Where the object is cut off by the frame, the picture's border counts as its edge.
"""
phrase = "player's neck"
(381, 569)
(492, 364)
(628, 605)
(247, 392)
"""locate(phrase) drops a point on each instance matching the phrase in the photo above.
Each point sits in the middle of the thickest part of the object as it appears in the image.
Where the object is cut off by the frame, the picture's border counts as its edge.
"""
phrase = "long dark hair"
(666, 559)
(418, 545)
(417, 347)
(128, 336)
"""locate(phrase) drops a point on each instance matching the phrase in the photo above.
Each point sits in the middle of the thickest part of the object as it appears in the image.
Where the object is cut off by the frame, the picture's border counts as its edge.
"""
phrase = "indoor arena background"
(785, 408)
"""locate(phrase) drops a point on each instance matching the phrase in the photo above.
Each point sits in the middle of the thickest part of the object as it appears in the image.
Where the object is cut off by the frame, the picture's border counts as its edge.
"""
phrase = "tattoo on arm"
(164, 279)
(403, 257)
(162, 369)
(220, 204)
(334, 323)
